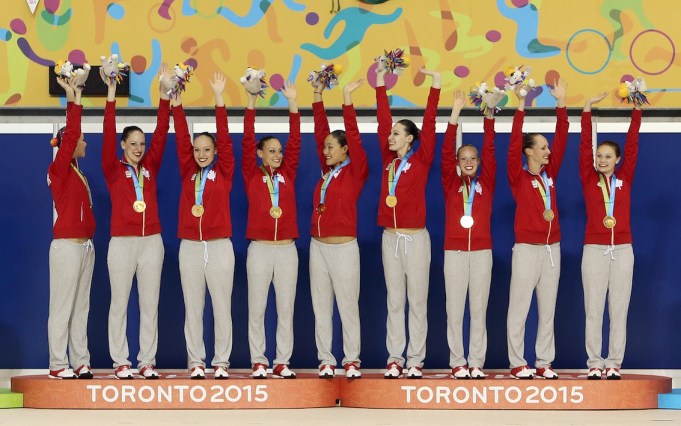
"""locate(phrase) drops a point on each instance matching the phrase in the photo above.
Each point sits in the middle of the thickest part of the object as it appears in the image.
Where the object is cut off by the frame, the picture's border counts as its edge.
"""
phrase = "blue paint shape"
(5, 34)
(187, 9)
(116, 11)
(295, 68)
(291, 4)
(140, 84)
(567, 51)
(254, 15)
(526, 42)
(356, 23)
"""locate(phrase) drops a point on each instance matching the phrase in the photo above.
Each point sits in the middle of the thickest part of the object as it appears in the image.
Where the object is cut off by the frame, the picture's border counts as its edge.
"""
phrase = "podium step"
(670, 400)
(9, 399)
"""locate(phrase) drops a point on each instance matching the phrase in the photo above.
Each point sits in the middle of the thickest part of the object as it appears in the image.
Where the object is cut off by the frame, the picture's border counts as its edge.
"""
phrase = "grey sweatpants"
(406, 266)
(207, 263)
(71, 266)
(601, 275)
(276, 264)
(467, 272)
(334, 270)
(143, 257)
(532, 270)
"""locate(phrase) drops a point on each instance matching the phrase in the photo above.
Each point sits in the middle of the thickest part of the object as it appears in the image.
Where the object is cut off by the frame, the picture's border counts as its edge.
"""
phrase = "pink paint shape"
(276, 82)
(461, 71)
(77, 57)
(52, 5)
(493, 36)
(626, 77)
(390, 79)
(163, 9)
(18, 26)
(519, 3)
(499, 79)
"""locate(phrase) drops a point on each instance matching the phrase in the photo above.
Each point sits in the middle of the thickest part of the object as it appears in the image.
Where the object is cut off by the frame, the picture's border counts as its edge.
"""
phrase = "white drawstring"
(88, 246)
(406, 237)
(205, 253)
(611, 250)
(548, 248)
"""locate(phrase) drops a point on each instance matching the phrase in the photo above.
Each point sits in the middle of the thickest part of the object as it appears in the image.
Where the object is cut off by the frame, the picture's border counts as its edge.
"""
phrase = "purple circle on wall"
(277, 81)
(461, 71)
(18, 26)
(493, 36)
(626, 77)
(312, 18)
(390, 79)
(51, 5)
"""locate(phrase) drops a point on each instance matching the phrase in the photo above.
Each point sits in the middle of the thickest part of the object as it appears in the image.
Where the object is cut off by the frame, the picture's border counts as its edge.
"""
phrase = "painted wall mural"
(593, 44)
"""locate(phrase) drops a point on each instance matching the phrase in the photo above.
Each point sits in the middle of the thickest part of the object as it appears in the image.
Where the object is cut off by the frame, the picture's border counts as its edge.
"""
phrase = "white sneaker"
(84, 372)
(393, 371)
(63, 374)
(594, 374)
(352, 371)
(326, 371)
(220, 373)
(123, 372)
(282, 370)
(612, 374)
(148, 372)
(476, 373)
(198, 373)
(414, 373)
(460, 372)
(523, 373)
(546, 373)
(259, 371)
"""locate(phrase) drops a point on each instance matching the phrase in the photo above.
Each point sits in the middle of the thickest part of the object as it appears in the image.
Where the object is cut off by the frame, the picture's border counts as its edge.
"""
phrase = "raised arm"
(292, 157)
(248, 145)
(154, 155)
(515, 156)
(628, 166)
(489, 162)
(183, 142)
(427, 136)
(357, 154)
(224, 143)
(321, 124)
(110, 138)
(69, 139)
(383, 115)
(562, 125)
(586, 154)
(449, 145)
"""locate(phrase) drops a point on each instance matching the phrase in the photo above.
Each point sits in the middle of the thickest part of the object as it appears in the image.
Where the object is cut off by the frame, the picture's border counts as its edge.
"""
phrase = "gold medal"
(391, 200)
(139, 206)
(466, 221)
(276, 212)
(609, 222)
(197, 210)
(321, 208)
(548, 215)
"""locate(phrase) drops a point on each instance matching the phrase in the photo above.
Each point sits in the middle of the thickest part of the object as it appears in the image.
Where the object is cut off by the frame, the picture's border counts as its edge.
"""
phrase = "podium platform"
(433, 391)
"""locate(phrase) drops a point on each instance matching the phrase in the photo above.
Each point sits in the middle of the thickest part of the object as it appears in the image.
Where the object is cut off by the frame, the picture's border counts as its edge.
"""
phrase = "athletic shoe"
(327, 371)
(282, 370)
(63, 374)
(123, 372)
(612, 374)
(594, 374)
(393, 371)
(522, 372)
(546, 373)
(352, 371)
(414, 373)
(460, 372)
(259, 371)
(148, 372)
(220, 373)
(83, 372)
(476, 373)
(198, 373)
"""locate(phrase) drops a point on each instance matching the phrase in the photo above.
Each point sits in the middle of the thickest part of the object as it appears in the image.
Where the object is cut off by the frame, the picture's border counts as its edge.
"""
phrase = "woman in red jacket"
(72, 255)
(536, 253)
(608, 257)
(402, 214)
(468, 241)
(272, 228)
(205, 226)
(334, 253)
(136, 247)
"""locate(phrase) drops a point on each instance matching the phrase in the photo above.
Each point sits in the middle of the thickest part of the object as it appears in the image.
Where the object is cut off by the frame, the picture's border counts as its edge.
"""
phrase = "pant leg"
(149, 268)
(65, 271)
(321, 291)
(396, 286)
(122, 262)
(417, 266)
(456, 272)
(343, 261)
(525, 272)
(285, 281)
(595, 271)
(220, 278)
(619, 294)
(192, 278)
(78, 346)
(259, 269)
(547, 292)
(478, 296)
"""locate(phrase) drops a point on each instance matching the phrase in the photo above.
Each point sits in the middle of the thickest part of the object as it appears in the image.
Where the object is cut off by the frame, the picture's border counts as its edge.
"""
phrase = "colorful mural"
(594, 45)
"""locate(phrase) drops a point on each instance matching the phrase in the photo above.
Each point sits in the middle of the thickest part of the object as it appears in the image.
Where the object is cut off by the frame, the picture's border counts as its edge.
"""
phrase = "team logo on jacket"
(280, 178)
(618, 184)
(478, 188)
(210, 176)
(535, 183)
(145, 173)
(407, 166)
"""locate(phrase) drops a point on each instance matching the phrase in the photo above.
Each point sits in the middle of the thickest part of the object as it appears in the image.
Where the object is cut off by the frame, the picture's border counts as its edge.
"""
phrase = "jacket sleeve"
(559, 142)
(159, 138)
(631, 147)
(514, 158)
(427, 150)
(586, 154)
(358, 156)
(488, 174)
(109, 144)
(185, 150)
(321, 130)
(69, 141)
(248, 146)
(449, 156)
(385, 122)
(292, 157)
(225, 146)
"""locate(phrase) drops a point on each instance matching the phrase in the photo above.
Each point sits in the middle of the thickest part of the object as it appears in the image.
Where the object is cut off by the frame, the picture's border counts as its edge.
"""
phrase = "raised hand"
(435, 74)
(558, 91)
(349, 88)
(218, 82)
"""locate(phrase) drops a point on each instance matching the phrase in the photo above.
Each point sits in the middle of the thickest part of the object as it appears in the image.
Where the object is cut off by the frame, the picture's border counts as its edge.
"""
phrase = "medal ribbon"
(200, 182)
(138, 181)
(329, 178)
(394, 177)
(82, 177)
(273, 186)
(468, 199)
(608, 199)
(545, 190)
